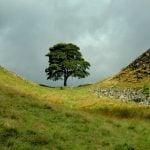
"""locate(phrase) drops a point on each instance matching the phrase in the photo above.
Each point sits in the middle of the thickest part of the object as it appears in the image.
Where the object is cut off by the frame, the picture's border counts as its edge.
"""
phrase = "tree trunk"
(65, 81)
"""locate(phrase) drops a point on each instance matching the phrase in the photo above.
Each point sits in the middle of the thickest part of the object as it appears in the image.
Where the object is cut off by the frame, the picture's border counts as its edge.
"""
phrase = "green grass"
(33, 117)
(127, 78)
(26, 123)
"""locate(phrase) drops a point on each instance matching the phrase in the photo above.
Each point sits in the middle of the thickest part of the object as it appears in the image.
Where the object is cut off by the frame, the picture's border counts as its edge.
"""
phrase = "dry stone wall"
(125, 94)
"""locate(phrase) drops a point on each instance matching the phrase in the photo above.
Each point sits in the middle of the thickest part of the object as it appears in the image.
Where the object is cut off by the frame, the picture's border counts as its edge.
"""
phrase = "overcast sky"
(110, 34)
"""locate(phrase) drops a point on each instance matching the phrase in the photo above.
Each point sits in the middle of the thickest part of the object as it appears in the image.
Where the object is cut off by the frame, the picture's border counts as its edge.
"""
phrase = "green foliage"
(66, 60)
(146, 90)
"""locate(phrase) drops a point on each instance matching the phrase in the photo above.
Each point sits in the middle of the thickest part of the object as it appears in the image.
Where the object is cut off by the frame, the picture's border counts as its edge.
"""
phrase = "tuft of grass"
(124, 146)
(40, 140)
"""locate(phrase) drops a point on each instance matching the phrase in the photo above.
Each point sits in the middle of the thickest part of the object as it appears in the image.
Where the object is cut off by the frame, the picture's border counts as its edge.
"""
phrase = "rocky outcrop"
(125, 94)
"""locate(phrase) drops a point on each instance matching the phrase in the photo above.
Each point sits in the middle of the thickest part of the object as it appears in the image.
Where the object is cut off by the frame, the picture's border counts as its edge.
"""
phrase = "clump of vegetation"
(146, 90)
(124, 147)
(40, 140)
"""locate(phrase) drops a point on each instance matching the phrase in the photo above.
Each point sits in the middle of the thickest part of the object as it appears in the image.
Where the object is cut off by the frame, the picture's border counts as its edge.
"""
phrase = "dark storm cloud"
(110, 33)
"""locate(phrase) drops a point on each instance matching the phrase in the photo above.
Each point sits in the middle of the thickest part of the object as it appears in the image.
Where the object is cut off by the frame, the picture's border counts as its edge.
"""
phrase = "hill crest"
(135, 75)
(136, 71)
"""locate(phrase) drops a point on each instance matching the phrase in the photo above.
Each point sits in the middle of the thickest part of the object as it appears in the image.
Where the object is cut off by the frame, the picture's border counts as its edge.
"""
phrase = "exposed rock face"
(128, 94)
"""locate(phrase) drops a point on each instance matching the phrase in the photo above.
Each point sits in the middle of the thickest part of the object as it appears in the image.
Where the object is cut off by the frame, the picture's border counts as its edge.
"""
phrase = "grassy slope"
(125, 75)
(135, 75)
(78, 97)
(29, 119)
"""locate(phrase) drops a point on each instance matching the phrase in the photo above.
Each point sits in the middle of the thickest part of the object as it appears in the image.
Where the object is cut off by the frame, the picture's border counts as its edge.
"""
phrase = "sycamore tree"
(65, 60)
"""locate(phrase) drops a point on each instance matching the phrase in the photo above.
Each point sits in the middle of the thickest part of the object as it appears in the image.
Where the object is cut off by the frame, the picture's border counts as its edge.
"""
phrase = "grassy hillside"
(34, 117)
(135, 75)
(74, 97)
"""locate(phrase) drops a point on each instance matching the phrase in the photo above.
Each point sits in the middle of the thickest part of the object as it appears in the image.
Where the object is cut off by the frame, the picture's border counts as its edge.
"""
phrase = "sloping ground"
(77, 97)
(136, 74)
(21, 85)
(132, 83)
(137, 71)
(28, 121)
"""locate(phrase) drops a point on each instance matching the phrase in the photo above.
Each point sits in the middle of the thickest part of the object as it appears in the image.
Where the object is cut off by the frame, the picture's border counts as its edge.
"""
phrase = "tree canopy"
(65, 60)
